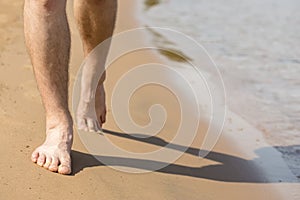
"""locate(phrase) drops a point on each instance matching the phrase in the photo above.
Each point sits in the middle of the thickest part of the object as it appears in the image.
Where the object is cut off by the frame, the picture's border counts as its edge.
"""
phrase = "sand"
(241, 165)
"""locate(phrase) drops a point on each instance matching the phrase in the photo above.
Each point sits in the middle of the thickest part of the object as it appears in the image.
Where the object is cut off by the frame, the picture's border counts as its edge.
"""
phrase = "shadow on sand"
(231, 169)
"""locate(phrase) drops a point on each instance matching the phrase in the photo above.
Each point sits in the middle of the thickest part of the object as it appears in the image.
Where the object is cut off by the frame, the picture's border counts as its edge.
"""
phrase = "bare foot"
(54, 153)
(91, 113)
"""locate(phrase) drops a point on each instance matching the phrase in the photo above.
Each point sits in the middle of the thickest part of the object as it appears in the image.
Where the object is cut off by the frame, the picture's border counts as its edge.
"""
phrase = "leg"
(95, 20)
(48, 41)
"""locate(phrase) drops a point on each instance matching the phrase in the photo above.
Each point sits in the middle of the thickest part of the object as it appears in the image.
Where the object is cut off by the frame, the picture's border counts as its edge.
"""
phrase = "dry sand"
(240, 167)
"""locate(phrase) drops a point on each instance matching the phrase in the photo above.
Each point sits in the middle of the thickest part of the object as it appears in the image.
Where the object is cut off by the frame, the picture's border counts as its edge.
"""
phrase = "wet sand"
(254, 46)
(241, 166)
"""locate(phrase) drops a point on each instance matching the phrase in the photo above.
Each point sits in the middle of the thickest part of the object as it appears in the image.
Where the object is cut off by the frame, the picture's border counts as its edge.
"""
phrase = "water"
(256, 47)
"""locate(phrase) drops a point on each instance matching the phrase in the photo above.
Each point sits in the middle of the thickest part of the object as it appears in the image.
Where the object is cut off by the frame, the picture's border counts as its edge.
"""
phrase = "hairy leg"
(48, 41)
(95, 20)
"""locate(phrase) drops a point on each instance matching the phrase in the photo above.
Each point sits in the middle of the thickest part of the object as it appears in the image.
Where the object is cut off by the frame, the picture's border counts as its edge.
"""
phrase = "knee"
(47, 6)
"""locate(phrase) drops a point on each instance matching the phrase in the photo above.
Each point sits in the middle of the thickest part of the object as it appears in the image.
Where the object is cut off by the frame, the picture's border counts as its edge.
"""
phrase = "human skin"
(95, 21)
(48, 41)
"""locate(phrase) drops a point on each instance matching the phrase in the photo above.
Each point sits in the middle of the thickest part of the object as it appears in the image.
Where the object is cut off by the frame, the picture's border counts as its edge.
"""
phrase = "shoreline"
(229, 173)
(176, 46)
(251, 137)
(250, 74)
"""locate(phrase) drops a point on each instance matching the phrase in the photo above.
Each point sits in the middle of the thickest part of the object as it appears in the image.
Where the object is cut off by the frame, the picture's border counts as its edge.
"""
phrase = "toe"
(97, 125)
(54, 165)
(64, 169)
(48, 162)
(65, 165)
(81, 124)
(91, 125)
(34, 156)
(41, 160)
(102, 118)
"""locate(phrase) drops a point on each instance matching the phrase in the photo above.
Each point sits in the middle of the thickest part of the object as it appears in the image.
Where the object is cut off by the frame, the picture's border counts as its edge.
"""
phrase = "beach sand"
(241, 165)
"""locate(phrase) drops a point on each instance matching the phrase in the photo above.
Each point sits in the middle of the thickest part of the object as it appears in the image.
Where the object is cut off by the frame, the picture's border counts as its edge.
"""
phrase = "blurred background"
(255, 45)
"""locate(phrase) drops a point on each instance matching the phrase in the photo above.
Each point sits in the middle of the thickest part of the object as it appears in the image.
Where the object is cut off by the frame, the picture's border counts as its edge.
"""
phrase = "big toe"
(63, 169)
(65, 165)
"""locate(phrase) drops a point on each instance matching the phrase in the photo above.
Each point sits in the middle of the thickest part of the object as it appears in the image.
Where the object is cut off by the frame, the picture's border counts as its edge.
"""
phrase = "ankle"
(59, 119)
(60, 128)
